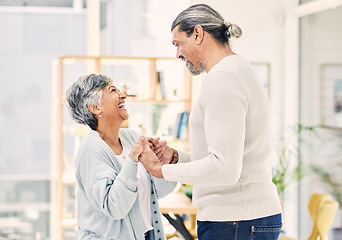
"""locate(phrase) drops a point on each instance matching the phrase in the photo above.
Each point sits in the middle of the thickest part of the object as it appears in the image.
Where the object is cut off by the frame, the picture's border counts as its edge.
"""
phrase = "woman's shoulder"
(129, 134)
(91, 141)
(93, 136)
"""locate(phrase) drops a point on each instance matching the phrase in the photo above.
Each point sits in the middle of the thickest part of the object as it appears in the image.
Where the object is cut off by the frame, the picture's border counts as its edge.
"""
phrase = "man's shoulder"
(230, 64)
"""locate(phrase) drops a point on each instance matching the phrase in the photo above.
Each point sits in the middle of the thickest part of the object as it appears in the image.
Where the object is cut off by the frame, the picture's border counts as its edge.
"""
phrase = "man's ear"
(198, 34)
(94, 109)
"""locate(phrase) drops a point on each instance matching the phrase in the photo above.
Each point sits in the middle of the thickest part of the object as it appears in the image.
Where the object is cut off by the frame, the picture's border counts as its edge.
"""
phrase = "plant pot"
(187, 189)
(336, 234)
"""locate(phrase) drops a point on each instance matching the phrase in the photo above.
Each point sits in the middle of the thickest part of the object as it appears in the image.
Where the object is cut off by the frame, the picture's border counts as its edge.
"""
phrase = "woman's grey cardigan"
(107, 192)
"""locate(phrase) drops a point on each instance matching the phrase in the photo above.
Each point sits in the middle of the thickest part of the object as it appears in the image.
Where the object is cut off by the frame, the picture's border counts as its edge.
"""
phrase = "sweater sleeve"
(224, 107)
(183, 156)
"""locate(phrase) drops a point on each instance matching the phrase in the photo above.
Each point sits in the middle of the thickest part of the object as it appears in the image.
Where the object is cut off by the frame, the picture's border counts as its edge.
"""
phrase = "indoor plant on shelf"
(285, 172)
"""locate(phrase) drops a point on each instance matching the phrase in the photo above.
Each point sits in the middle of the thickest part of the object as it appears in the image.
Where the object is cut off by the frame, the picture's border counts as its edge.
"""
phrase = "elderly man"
(230, 156)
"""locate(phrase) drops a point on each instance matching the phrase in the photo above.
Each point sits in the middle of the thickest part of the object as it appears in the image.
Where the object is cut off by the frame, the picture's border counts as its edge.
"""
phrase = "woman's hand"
(137, 149)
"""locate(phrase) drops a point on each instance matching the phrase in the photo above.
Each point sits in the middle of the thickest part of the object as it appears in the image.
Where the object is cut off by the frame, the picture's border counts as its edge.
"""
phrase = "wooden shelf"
(68, 178)
(137, 100)
(69, 222)
(70, 183)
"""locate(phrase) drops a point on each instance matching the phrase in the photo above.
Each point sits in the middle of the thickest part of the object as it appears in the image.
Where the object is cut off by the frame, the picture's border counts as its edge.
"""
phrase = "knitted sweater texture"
(230, 159)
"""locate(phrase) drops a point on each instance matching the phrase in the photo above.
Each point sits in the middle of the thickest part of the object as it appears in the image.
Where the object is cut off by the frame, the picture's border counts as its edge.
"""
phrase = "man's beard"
(195, 70)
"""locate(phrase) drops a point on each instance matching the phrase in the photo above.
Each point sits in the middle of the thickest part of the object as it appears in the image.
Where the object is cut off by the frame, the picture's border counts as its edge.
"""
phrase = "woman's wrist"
(135, 158)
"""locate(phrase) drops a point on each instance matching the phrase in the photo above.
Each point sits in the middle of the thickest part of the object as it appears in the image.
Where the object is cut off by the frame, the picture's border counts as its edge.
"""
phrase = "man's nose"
(178, 54)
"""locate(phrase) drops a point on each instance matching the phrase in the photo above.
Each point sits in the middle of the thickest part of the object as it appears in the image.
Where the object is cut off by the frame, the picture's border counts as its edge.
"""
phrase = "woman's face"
(113, 103)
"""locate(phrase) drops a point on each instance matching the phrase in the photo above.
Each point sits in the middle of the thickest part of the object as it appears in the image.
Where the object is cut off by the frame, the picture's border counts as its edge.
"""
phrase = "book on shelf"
(181, 124)
(161, 83)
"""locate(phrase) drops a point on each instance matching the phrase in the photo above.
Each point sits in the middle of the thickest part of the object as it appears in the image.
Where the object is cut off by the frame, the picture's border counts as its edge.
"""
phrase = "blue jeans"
(267, 228)
(149, 235)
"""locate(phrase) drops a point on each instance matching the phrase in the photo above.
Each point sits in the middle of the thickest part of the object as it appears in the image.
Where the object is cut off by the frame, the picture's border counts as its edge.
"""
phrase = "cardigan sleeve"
(225, 100)
(163, 187)
(112, 192)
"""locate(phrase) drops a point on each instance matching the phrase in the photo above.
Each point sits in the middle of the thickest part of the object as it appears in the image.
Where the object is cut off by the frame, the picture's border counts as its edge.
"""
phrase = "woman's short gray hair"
(87, 90)
(209, 19)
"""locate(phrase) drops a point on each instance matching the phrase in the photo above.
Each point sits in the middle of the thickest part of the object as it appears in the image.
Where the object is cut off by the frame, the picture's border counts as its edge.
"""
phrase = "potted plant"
(329, 171)
(285, 172)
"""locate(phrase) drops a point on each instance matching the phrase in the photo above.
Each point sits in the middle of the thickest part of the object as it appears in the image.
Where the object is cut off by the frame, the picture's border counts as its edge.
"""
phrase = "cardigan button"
(154, 202)
(158, 231)
(156, 221)
(155, 212)
(152, 192)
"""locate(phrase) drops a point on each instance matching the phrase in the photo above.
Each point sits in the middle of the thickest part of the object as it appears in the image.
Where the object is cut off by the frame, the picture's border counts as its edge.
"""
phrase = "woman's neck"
(111, 137)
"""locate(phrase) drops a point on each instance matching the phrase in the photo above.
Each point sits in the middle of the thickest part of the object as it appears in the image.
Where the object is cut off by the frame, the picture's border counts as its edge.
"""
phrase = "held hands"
(152, 153)
(150, 160)
(161, 149)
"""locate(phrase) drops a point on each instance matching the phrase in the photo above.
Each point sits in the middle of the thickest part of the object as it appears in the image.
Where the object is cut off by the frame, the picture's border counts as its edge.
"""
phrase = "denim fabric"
(149, 235)
(267, 228)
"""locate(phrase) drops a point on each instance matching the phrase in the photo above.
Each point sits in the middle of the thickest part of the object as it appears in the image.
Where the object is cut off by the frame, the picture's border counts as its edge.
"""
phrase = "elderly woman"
(116, 197)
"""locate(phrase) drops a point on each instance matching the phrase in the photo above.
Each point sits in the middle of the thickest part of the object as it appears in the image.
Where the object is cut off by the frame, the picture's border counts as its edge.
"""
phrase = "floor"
(169, 229)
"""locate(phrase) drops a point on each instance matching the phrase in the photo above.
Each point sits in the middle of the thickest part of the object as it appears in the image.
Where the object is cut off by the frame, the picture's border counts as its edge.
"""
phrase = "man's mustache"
(183, 58)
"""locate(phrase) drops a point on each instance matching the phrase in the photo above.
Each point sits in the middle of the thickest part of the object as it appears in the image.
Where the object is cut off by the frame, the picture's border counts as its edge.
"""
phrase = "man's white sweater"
(230, 159)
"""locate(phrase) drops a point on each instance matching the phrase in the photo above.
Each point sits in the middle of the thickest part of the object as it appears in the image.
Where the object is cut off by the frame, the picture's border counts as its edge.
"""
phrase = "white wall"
(321, 44)
(321, 38)
(142, 27)
(262, 24)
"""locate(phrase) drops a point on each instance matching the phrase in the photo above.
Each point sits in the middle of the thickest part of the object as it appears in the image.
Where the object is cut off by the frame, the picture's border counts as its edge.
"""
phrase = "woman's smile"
(122, 105)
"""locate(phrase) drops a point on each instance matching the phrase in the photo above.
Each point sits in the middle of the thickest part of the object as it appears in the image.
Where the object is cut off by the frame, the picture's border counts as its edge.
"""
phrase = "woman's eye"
(113, 89)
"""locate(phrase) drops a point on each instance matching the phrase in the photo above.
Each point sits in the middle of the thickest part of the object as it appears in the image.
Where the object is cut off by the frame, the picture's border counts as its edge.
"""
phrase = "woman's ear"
(198, 34)
(95, 109)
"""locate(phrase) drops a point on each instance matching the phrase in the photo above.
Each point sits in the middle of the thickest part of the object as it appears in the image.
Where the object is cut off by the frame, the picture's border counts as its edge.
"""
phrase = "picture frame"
(262, 70)
(331, 95)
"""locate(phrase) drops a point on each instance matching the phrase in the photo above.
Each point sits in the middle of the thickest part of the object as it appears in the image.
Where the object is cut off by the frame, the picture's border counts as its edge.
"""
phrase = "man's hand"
(161, 149)
(150, 160)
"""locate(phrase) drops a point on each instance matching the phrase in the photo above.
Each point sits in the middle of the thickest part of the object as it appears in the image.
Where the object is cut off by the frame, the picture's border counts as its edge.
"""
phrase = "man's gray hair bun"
(233, 30)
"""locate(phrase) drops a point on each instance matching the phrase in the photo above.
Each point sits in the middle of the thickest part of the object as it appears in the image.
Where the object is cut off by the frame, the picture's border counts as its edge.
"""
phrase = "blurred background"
(294, 46)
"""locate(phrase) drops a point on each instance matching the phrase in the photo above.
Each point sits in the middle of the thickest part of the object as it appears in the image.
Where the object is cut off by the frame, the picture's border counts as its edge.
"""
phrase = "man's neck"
(215, 56)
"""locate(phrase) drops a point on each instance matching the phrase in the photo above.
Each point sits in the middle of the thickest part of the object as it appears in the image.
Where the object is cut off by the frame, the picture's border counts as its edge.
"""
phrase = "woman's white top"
(144, 189)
